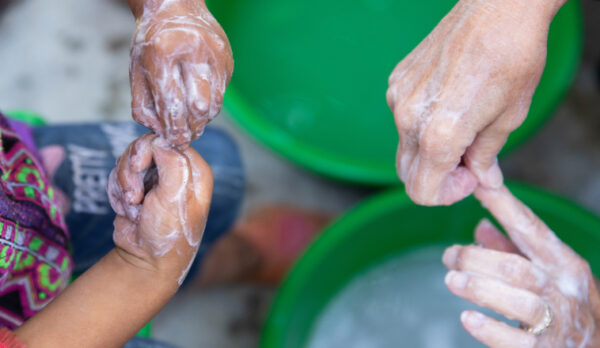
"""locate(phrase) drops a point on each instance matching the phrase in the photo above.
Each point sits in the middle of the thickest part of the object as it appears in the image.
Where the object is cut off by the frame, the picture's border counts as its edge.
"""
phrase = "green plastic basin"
(389, 224)
(311, 75)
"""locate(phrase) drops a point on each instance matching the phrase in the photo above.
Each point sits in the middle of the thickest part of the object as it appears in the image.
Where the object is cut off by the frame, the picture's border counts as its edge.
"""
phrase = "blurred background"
(68, 61)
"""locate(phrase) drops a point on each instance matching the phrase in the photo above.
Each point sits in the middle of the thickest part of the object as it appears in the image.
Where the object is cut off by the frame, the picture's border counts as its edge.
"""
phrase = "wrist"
(550, 7)
(168, 267)
(115, 297)
(522, 10)
(160, 270)
(137, 6)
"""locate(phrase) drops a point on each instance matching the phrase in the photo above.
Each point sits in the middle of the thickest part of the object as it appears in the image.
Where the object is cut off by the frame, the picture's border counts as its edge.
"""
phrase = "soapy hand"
(459, 94)
(534, 278)
(181, 63)
(162, 209)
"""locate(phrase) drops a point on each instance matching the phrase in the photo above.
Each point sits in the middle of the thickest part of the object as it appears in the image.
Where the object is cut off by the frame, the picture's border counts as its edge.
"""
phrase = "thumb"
(173, 171)
(202, 176)
(481, 156)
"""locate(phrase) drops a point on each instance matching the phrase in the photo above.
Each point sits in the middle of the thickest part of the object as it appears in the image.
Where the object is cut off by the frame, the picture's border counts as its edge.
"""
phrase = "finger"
(176, 186)
(439, 178)
(200, 188)
(198, 98)
(489, 237)
(173, 171)
(115, 193)
(494, 333)
(512, 302)
(117, 199)
(202, 176)
(481, 156)
(431, 185)
(168, 91)
(124, 232)
(405, 156)
(422, 180)
(512, 269)
(142, 103)
(525, 229)
(404, 118)
(136, 159)
(141, 153)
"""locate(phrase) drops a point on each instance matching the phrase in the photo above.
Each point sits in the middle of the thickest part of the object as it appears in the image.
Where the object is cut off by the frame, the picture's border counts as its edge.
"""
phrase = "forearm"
(104, 307)
(522, 10)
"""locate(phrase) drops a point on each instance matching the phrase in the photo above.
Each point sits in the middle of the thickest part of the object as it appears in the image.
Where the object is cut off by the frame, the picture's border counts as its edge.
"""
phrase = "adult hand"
(533, 278)
(181, 63)
(162, 210)
(459, 94)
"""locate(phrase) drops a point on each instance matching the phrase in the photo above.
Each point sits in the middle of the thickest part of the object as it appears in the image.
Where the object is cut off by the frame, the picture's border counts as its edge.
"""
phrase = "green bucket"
(311, 76)
(389, 224)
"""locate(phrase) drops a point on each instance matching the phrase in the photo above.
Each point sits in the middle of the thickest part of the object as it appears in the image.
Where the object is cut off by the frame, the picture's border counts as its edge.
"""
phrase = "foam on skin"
(460, 92)
(550, 273)
(170, 216)
(181, 63)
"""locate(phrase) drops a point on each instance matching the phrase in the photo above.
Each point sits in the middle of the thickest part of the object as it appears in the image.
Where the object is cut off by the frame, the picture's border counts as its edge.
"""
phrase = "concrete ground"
(68, 60)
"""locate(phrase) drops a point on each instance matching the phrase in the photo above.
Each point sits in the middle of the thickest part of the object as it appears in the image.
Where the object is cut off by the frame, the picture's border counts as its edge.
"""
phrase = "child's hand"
(162, 228)
(181, 63)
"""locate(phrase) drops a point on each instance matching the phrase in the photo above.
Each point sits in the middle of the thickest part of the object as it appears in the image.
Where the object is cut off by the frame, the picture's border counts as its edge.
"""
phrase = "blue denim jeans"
(91, 153)
(139, 342)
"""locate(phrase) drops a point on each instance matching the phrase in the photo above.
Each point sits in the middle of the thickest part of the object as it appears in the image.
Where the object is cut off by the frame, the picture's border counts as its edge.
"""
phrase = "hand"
(459, 94)
(162, 210)
(535, 279)
(181, 63)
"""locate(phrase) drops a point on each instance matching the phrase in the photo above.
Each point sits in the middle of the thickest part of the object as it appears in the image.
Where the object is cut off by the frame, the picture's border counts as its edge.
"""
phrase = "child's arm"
(157, 237)
(181, 63)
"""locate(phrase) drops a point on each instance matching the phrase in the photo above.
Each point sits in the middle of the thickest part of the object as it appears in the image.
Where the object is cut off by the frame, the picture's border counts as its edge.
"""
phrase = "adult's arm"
(461, 92)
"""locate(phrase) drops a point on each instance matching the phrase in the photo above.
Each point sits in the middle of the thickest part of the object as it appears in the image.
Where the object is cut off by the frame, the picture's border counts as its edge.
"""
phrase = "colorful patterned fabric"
(35, 264)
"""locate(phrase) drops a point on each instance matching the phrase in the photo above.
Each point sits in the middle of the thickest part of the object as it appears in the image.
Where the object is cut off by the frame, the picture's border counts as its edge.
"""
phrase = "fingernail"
(456, 280)
(450, 255)
(129, 196)
(484, 223)
(473, 320)
(494, 177)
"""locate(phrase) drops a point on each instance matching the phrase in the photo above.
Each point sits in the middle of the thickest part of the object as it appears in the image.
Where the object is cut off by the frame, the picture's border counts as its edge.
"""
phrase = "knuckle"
(535, 308)
(507, 126)
(390, 96)
(473, 287)
(405, 120)
(139, 117)
(463, 256)
(431, 143)
(160, 44)
(199, 108)
(451, 257)
(515, 268)
(581, 267)
(418, 196)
